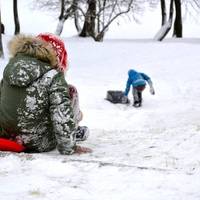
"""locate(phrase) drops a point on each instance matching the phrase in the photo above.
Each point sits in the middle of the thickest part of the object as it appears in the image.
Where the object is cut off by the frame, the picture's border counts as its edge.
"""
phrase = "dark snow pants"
(137, 94)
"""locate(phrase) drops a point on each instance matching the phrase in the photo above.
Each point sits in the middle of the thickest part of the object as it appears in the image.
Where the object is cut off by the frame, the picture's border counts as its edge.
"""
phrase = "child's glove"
(124, 99)
(81, 150)
(152, 91)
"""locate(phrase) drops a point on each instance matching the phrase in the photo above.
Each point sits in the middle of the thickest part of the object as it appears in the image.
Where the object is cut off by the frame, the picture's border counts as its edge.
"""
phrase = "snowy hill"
(149, 153)
(146, 153)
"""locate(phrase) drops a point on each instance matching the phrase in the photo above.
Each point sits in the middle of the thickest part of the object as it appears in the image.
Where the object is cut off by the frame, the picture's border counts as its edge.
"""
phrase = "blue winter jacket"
(136, 79)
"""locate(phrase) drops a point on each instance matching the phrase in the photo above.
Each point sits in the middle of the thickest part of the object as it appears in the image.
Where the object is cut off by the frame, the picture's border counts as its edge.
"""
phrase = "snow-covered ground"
(146, 153)
(149, 153)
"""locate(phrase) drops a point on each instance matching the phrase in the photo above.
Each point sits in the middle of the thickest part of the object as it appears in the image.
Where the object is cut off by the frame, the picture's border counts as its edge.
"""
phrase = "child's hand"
(152, 91)
(80, 150)
(124, 99)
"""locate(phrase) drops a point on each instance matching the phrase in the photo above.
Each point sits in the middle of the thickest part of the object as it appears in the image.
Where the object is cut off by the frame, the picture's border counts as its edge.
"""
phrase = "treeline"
(92, 18)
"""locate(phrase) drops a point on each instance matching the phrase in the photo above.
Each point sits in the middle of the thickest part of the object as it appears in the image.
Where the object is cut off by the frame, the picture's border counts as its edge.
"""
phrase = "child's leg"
(137, 93)
(135, 96)
(75, 104)
(82, 132)
(140, 97)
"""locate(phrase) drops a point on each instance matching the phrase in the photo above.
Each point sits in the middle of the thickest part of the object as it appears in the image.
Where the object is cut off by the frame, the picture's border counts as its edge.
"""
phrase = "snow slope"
(149, 153)
(146, 153)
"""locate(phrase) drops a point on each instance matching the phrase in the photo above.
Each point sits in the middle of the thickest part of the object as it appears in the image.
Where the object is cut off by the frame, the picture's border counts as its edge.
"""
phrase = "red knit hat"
(59, 47)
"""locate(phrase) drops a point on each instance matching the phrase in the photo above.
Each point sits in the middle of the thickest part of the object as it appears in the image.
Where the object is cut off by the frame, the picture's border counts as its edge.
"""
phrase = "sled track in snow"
(60, 158)
(100, 163)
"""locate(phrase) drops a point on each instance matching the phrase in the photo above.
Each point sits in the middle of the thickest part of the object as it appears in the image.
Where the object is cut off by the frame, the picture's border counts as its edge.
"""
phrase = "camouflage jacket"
(35, 107)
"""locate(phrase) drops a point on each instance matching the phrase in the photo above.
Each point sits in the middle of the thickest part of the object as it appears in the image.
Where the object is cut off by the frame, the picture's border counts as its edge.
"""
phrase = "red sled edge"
(8, 145)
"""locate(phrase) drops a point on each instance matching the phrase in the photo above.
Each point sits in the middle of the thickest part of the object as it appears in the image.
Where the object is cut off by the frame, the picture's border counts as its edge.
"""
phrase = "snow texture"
(147, 153)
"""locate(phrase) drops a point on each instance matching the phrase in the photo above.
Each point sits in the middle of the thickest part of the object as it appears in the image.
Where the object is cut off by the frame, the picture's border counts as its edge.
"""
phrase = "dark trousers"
(137, 96)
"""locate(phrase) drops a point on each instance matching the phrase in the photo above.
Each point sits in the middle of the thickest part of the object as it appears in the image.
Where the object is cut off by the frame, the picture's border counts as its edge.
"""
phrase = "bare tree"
(100, 15)
(66, 13)
(167, 26)
(89, 23)
(191, 5)
(77, 19)
(16, 18)
(96, 15)
(61, 18)
(92, 17)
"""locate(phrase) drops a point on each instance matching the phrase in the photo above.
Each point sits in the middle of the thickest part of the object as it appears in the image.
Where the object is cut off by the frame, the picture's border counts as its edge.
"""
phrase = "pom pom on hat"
(59, 47)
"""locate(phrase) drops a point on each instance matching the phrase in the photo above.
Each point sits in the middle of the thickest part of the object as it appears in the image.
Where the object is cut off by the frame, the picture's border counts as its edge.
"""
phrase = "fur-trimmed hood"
(31, 59)
(34, 47)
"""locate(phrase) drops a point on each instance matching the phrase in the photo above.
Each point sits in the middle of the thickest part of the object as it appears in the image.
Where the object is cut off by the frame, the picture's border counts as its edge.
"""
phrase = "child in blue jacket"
(138, 82)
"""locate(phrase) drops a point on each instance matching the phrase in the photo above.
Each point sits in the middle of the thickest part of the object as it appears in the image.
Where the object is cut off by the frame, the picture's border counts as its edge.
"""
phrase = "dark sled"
(116, 96)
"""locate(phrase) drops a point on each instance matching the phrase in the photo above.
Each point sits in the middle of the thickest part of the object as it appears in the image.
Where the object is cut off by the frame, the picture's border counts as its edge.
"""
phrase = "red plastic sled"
(8, 145)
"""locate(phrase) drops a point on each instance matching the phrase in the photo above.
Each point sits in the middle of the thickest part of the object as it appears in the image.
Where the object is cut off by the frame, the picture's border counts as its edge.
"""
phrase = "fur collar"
(33, 47)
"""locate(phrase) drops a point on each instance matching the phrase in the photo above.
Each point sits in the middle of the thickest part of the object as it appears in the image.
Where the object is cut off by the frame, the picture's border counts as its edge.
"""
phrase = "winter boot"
(82, 133)
(137, 104)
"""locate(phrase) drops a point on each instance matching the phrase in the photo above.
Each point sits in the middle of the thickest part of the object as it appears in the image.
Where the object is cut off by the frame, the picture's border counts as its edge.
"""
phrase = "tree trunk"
(1, 45)
(76, 21)
(99, 37)
(61, 21)
(167, 26)
(178, 20)
(16, 18)
(60, 26)
(62, 9)
(64, 15)
(89, 24)
(104, 18)
(163, 12)
(2, 28)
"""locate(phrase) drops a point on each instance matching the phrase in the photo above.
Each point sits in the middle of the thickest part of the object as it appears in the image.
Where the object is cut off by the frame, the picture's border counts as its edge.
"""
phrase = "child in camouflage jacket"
(35, 105)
